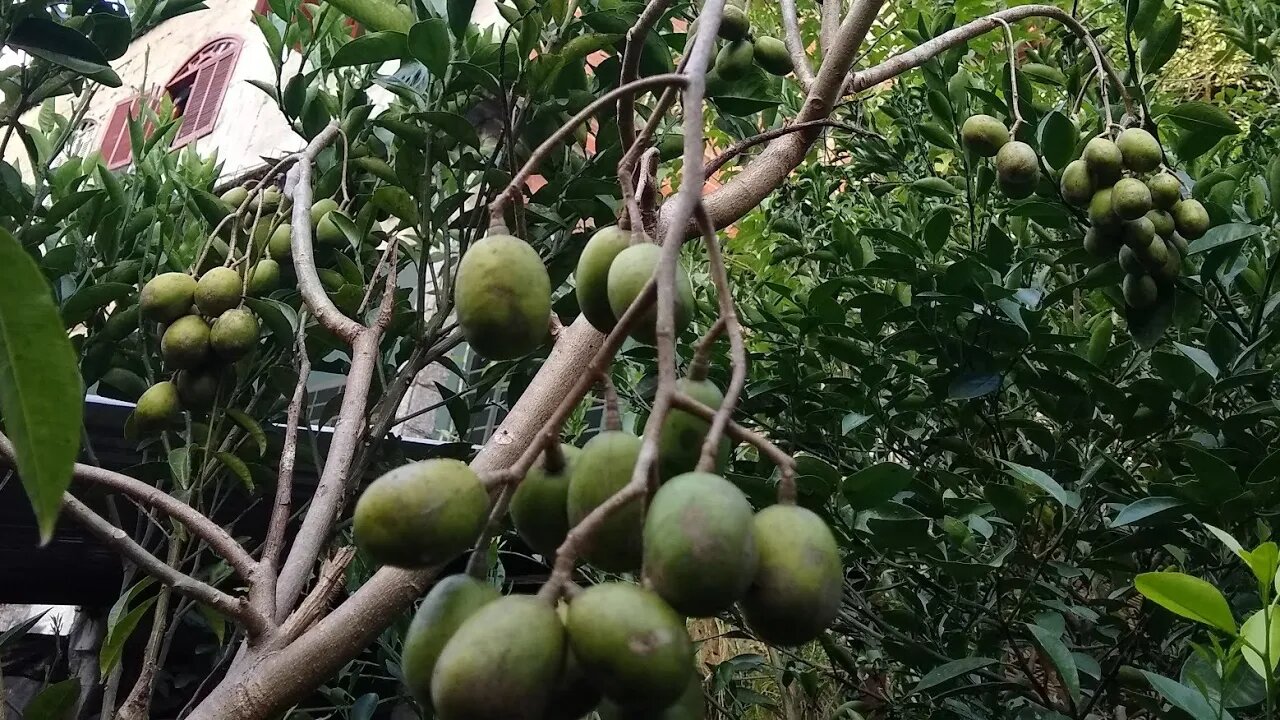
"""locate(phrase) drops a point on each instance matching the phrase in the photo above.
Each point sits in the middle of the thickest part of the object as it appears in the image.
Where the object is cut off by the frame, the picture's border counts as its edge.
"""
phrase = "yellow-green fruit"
(603, 468)
(218, 291)
(671, 146)
(1139, 291)
(167, 297)
(1154, 255)
(332, 280)
(157, 407)
(797, 588)
(503, 297)
(1017, 169)
(1101, 213)
(236, 196)
(442, 612)
(1076, 185)
(1101, 243)
(1130, 261)
(628, 275)
(690, 706)
(503, 662)
(734, 59)
(1105, 161)
(539, 506)
(261, 234)
(421, 514)
(197, 389)
(321, 209)
(1180, 243)
(234, 334)
(328, 232)
(734, 24)
(1172, 263)
(631, 644)
(1130, 199)
(680, 444)
(1165, 190)
(592, 275)
(699, 547)
(269, 199)
(574, 697)
(280, 246)
(984, 135)
(1190, 218)
(1140, 150)
(264, 279)
(185, 343)
(1139, 233)
(772, 56)
(1162, 222)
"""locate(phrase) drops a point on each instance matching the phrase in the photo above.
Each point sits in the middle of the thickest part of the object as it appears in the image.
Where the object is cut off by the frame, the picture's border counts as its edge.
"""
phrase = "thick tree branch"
(744, 145)
(795, 44)
(831, 12)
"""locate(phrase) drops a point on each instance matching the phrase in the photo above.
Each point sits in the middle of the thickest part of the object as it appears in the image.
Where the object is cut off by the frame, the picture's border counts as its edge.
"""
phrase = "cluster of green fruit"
(205, 330)
(1136, 211)
(742, 48)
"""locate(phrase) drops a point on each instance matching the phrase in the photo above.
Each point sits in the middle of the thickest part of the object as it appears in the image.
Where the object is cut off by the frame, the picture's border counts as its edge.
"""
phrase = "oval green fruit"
(671, 146)
(421, 514)
(540, 504)
(197, 389)
(1017, 169)
(1180, 243)
(1154, 255)
(1190, 218)
(629, 274)
(1101, 243)
(680, 443)
(1140, 291)
(1105, 161)
(1140, 150)
(603, 468)
(280, 246)
(321, 209)
(157, 407)
(1130, 262)
(218, 291)
(503, 662)
(1165, 189)
(234, 334)
(185, 343)
(734, 59)
(1101, 213)
(699, 550)
(1162, 222)
(503, 297)
(631, 644)
(328, 232)
(690, 706)
(984, 135)
(798, 585)
(442, 612)
(1139, 233)
(1172, 266)
(1130, 199)
(264, 279)
(772, 56)
(167, 297)
(734, 23)
(592, 275)
(236, 196)
(1076, 184)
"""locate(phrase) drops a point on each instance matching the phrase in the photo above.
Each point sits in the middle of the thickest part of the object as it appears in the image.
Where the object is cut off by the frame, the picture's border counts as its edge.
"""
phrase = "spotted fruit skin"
(799, 581)
(503, 297)
(442, 612)
(421, 514)
(592, 275)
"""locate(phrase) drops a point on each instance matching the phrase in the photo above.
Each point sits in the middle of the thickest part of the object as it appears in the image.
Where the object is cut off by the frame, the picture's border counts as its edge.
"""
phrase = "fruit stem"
(553, 458)
(702, 352)
(1013, 78)
(612, 416)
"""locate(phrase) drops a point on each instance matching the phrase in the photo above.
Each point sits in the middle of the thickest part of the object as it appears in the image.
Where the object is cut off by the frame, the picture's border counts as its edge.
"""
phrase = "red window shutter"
(209, 88)
(117, 148)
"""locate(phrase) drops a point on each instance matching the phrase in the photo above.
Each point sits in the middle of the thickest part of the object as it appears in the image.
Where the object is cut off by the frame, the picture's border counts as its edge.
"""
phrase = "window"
(197, 89)
(117, 148)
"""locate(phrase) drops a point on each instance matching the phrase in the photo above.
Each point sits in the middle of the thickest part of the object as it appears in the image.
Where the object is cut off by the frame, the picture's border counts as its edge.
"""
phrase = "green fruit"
(280, 246)
(734, 59)
(1139, 233)
(264, 279)
(1105, 161)
(121, 324)
(185, 343)
(592, 275)
(218, 291)
(1130, 199)
(197, 389)
(167, 297)
(328, 232)
(421, 514)
(1101, 213)
(772, 56)
(1101, 243)
(628, 275)
(1180, 244)
(984, 135)
(734, 24)
(1017, 169)
(797, 589)
(603, 468)
(269, 199)
(503, 297)
(1154, 255)
(236, 196)
(788, 226)
(442, 612)
(699, 551)
(157, 407)
(1165, 190)
(1190, 219)
(1140, 150)
(680, 444)
(631, 644)
(501, 663)
(1172, 266)
(1130, 261)
(539, 506)
(234, 334)
(690, 706)
(671, 146)
(321, 209)
(332, 280)
(1076, 185)
(1162, 222)
(1140, 291)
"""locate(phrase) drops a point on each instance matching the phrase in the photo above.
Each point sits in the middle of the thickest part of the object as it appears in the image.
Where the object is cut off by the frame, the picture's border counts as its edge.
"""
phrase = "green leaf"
(1200, 358)
(1159, 46)
(967, 386)
(251, 427)
(1203, 117)
(429, 44)
(1212, 471)
(1232, 544)
(937, 229)
(1057, 139)
(938, 135)
(950, 671)
(217, 621)
(55, 702)
(377, 47)
(1273, 183)
(460, 16)
(43, 38)
(91, 298)
(1264, 561)
(1184, 698)
(398, 202)
(180, 466)
(1143, 509)
(1060, 656)
(852, 422)
(21, 629)
(118, 633)
(1044, 482)
(1143, 14)
(877, 484)
(1187, 596)
(41, 395)
(1223, 235)
(935, 186)
(237, 467)
(279, 318)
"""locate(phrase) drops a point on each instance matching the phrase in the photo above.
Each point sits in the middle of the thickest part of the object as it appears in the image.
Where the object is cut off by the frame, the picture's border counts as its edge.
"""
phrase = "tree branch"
(795, 44)
(274, 541)
(831, 12)
(744, 145)
(737, 348)
(631, 67)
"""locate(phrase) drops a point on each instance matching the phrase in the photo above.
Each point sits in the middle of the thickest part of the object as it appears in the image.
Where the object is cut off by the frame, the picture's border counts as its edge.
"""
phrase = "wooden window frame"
(209, 71)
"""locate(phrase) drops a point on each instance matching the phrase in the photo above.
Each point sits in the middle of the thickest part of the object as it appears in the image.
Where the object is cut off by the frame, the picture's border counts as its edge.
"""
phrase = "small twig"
(738, 348)
(477, 565)
(795, 44)
(612, 418)
(631, 67)
(1014, 102)
(274, 541)
(701, 361)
